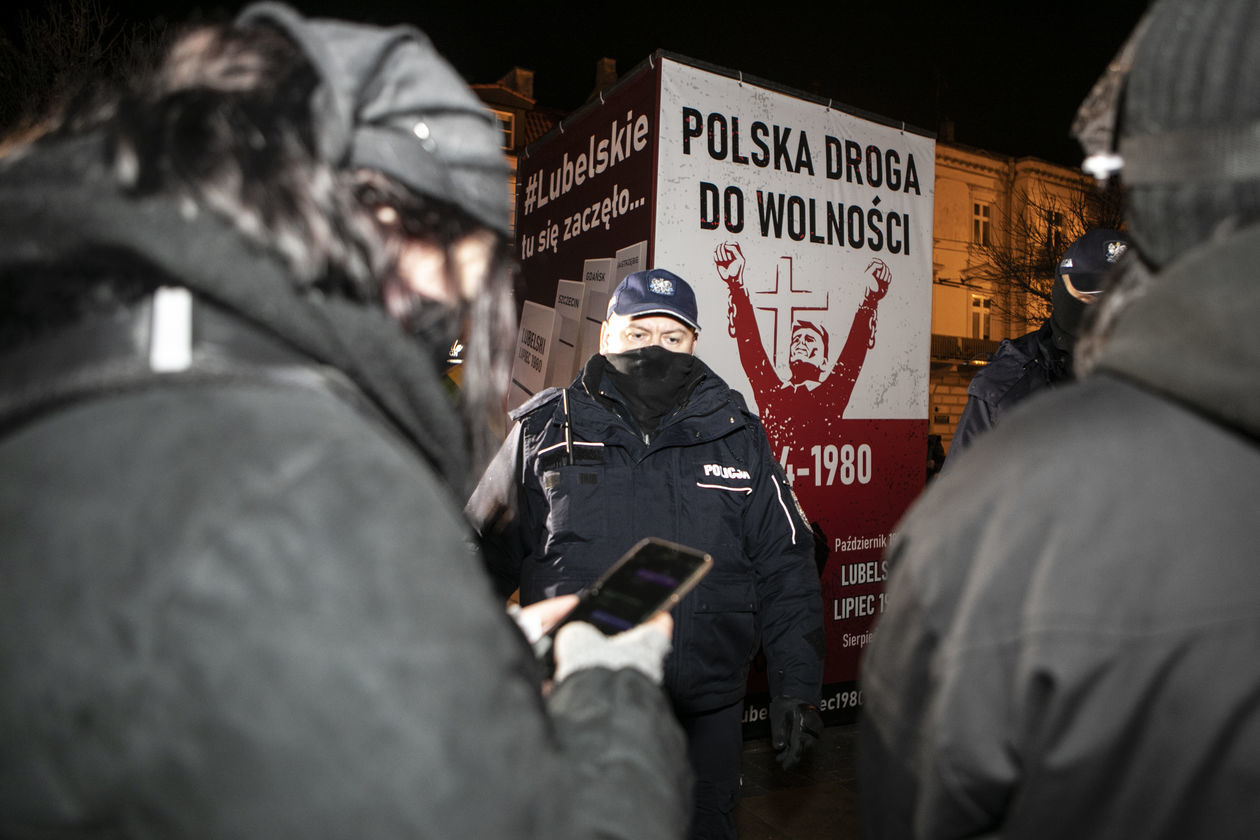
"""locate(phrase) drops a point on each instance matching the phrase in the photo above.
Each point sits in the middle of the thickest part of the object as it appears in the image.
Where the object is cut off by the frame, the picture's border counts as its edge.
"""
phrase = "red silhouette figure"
(804, 409)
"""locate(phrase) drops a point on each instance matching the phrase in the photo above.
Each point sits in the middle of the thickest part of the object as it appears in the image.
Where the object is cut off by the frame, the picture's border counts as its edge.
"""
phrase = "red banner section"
(887, 461)
(855, 484)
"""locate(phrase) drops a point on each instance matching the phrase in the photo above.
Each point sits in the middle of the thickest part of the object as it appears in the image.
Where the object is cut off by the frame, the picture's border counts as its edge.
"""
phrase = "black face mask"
(651, 379)
(1065, 317)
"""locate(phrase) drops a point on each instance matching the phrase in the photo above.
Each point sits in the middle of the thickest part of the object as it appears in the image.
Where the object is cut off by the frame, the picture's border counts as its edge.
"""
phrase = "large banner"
(586, 193)
(807, 234)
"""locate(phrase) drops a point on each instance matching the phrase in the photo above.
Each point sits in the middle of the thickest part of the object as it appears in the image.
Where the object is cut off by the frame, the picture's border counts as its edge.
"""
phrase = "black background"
(1008, 74)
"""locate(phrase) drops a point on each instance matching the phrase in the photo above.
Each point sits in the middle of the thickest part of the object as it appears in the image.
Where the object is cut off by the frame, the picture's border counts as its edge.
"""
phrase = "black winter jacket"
(1019, 368)
(707, 480)
(238, 600)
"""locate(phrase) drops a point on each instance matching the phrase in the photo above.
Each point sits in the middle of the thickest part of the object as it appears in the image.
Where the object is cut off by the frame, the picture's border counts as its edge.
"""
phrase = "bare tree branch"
(58, 51)
(1019, 262)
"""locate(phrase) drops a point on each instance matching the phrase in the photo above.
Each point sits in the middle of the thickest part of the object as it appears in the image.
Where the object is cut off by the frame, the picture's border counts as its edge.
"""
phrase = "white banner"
(569, 304)
(807, 235)
(813, 199)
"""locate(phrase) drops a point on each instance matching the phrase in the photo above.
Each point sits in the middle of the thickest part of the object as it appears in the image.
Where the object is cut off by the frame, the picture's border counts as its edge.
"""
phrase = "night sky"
(1008, 74)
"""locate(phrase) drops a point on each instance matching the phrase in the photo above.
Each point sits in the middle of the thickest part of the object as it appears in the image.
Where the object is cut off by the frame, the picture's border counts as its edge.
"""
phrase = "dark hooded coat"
(239, 600)
(1019, 368)
(1074, 608)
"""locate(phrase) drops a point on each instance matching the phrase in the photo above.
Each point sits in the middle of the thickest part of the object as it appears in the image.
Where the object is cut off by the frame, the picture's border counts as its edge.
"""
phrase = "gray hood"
(60, 207)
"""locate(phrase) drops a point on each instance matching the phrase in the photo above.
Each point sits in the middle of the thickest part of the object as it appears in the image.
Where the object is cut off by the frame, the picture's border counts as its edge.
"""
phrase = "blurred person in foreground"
(238, 597)
(1074, 607)
(649, 441)
(1041, 359)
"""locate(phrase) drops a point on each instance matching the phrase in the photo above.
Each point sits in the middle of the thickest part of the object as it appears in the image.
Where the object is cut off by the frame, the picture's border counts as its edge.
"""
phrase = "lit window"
(980, 216)
(980, 309)
(512, 193)
(507, 124)
(1054, 234)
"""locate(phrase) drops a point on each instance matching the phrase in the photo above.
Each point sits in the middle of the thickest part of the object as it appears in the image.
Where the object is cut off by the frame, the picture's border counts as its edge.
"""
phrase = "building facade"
(1000, 225)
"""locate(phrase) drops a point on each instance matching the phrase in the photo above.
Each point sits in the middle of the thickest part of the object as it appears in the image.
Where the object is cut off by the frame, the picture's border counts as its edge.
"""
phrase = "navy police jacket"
(1020, 367)
(705, 479)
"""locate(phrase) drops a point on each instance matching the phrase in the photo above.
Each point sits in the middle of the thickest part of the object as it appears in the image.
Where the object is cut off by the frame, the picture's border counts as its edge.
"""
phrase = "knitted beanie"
(388, 101)
(1189, 125)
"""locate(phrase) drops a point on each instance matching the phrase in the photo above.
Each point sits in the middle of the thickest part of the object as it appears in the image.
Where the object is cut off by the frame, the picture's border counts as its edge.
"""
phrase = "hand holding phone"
(644, 648)
(650, 578)
(540, 616)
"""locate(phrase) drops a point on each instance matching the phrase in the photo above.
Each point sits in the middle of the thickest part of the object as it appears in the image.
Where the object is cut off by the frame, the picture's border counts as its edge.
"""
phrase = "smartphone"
(652, 576)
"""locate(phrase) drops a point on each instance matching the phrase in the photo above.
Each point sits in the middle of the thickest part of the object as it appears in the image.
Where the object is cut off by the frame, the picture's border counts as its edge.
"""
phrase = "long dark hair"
(224, 123)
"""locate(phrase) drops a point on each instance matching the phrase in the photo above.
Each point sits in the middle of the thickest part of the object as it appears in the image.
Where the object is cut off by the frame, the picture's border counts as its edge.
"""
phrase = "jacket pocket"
(722, 636)
(577, 502)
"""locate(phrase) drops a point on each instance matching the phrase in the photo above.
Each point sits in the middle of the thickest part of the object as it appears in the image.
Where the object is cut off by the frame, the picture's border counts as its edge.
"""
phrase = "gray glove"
(579, 645)
(794, 727)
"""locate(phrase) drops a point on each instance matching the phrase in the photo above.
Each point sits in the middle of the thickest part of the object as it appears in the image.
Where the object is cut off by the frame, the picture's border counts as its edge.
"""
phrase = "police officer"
(1042, 358)
(648, 441)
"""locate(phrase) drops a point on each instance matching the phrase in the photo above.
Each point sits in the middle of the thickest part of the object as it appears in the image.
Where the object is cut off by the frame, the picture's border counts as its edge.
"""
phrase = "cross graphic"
(784, 301)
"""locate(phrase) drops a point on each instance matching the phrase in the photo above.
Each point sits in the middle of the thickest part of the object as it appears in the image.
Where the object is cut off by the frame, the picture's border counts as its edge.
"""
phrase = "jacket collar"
(599, 386)
(710, 408)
